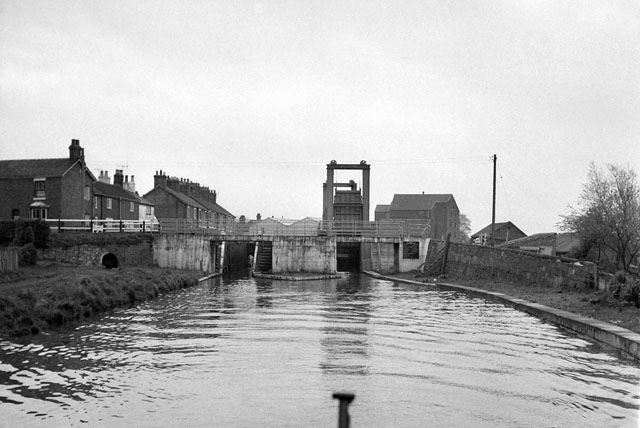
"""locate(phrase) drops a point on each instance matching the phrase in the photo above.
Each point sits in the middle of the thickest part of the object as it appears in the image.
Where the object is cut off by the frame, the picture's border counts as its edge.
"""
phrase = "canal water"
(258, 353)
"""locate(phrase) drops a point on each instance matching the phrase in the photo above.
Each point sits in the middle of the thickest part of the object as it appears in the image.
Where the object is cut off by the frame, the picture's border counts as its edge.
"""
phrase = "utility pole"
(493, 210)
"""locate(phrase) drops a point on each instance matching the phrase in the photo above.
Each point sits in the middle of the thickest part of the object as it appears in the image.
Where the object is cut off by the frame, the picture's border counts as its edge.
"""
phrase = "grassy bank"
(50, 294)
(599, 305)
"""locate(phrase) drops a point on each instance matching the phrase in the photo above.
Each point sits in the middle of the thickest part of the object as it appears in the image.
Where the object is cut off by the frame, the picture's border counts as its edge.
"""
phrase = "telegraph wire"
(299, 164)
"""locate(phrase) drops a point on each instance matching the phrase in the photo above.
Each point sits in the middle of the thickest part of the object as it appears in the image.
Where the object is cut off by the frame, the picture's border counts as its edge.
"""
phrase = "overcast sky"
(253, 99)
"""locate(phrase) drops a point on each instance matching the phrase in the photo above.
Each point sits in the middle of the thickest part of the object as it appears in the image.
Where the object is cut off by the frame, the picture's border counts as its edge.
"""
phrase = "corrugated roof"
(417, 202)
(535, 240)
(30, 168)
(563, 242)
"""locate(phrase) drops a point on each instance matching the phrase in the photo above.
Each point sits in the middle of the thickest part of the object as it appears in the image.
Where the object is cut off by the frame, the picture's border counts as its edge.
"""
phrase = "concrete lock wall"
(189, 252)
(480, 262)
(409, 264)
(316, 254)
(389, 257)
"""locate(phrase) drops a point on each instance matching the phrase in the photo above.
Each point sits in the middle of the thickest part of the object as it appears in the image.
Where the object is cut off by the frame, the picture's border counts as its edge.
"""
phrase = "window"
(39, 185)
(95, 202)
(39, 213)
(131, 206)
(411, 250)
(147, 210)
(87, 193)
(109, 203)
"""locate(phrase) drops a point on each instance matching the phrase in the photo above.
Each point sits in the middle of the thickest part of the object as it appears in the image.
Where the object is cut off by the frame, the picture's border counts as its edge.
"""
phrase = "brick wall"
(479, 262)
(73, 203)
(16, 194)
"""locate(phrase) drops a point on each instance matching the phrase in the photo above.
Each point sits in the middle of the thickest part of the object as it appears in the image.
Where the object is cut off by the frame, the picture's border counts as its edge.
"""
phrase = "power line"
(297, 164)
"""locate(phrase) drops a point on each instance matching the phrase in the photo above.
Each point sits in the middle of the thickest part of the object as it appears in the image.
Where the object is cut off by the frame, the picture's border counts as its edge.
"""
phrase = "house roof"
(383, 208)
(30, 168)
(185, 199)
(418, 202)
(211, 206)
(113, 191)
(306, 221)
(497, 228)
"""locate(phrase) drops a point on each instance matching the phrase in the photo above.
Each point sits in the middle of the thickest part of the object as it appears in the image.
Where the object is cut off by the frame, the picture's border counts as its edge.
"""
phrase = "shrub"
(620, 277)
(7, 231)
(31, 231)
(28, 255)
(631, 293)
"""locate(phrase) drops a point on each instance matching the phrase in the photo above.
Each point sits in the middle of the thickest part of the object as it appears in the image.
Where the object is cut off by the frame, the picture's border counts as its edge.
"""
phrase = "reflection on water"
(248, 352)
(345, 338)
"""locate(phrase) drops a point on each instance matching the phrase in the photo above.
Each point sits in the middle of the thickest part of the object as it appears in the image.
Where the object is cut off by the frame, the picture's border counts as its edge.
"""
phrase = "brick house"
(439, 210)
(176, 198)
(117, 201)
(47, 188)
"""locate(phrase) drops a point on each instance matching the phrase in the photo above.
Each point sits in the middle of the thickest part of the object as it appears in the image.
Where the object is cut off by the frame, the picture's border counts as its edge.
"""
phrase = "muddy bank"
(38, 298)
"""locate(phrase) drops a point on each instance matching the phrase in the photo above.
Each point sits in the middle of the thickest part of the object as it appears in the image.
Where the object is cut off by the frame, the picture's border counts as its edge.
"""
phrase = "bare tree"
(608, 220)
(465, 228)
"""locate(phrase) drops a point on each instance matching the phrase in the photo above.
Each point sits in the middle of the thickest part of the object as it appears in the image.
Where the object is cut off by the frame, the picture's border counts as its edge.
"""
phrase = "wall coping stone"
(294, 277)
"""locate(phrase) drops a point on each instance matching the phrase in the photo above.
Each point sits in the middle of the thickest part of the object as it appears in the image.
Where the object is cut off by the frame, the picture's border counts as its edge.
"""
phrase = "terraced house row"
(65, 188)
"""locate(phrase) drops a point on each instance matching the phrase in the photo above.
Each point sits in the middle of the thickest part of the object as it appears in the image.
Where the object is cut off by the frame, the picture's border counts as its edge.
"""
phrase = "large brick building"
(440, 211)
(47, 188)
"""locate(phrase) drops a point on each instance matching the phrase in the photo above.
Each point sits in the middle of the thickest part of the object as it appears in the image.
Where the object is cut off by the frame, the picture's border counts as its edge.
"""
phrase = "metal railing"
(268, 227)
(181, 225)
(102, 226)
(367, 229)
(374, 229)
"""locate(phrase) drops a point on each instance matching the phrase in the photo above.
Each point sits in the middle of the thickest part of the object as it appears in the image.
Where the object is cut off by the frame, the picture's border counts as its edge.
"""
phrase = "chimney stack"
(75, 151)
(118, 178)
(132, 185)
(160, 179)
(104, 177)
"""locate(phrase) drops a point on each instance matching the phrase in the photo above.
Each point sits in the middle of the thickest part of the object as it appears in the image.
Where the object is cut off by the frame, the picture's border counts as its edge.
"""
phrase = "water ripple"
(205, 353)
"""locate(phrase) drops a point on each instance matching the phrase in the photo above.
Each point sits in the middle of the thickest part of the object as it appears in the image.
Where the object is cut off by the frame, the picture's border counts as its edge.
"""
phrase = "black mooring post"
(343, 410)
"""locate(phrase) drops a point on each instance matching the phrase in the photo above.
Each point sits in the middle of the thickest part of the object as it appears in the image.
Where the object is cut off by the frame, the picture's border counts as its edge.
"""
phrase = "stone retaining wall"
(480, 262)
(85, 254)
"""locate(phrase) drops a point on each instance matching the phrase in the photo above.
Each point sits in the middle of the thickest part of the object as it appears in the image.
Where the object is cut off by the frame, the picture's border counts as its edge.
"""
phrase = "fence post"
(120, 225)
(446, 254)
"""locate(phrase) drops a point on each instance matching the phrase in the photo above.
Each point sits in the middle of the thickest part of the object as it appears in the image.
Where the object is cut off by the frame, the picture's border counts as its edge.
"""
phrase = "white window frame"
(109, 203)
(40, 193)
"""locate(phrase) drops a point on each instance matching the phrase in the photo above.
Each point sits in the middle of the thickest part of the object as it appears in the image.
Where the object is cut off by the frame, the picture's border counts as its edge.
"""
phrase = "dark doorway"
(348, 256)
